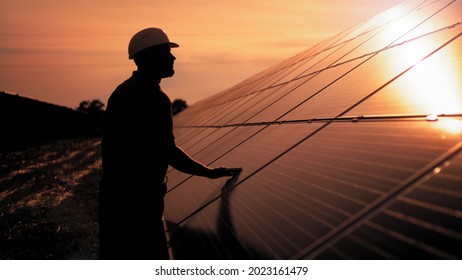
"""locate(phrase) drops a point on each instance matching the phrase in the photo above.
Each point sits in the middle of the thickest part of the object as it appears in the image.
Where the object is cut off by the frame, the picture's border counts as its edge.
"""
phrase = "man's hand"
(219, 172)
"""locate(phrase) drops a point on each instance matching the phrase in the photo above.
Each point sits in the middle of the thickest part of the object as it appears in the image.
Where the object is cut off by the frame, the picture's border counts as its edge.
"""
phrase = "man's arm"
(183, 162)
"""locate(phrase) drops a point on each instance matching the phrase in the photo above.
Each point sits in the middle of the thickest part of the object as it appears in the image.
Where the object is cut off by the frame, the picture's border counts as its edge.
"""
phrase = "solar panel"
(351, 149)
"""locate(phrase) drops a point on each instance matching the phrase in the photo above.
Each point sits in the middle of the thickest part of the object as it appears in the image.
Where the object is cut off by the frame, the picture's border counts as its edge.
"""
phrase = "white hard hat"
(146, 38)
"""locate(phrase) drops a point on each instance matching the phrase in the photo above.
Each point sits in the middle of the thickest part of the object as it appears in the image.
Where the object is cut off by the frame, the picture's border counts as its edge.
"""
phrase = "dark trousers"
(130, 222)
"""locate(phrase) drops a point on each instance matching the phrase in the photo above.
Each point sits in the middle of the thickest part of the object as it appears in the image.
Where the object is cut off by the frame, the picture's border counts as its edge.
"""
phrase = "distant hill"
(25, 120)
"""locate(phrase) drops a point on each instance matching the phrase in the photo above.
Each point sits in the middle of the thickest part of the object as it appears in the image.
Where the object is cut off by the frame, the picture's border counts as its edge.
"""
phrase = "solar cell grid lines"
(351, 149)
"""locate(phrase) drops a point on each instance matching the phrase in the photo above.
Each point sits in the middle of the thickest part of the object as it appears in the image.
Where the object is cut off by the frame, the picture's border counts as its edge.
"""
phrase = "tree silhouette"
(178, 105)
(94, 107)
(95, 111)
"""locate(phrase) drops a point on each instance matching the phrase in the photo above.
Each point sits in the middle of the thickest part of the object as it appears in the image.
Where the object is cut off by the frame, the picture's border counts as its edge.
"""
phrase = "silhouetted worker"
(137, 147)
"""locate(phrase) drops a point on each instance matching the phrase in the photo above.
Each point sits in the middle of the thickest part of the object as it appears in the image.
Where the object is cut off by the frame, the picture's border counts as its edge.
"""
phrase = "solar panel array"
(351, 149)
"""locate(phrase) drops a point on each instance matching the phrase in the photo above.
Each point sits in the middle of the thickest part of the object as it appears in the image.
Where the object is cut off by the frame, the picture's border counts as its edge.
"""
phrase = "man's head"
(150, 49)
(157, 60)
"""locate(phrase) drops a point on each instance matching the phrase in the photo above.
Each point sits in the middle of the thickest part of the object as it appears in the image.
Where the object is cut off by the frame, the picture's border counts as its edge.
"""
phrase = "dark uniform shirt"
(137, 134)
(136, 148)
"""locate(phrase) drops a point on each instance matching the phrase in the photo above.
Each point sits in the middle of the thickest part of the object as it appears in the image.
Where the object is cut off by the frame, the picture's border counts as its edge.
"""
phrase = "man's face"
(158, 60)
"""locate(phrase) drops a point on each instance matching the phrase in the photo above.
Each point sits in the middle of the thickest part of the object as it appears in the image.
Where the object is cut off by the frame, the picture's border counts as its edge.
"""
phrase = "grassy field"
(48, 200)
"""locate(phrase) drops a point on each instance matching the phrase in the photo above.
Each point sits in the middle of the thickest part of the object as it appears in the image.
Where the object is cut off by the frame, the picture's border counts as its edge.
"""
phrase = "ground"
(48, 200)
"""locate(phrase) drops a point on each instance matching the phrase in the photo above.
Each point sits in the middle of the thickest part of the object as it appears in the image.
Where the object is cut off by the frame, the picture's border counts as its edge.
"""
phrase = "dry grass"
(48, 200)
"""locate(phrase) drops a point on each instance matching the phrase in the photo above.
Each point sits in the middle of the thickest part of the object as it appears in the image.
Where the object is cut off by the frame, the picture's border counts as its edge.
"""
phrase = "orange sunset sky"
(64, 52)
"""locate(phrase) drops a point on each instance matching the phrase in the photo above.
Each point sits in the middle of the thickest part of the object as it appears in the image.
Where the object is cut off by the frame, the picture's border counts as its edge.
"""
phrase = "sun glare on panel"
(433, 85)
(451, 126)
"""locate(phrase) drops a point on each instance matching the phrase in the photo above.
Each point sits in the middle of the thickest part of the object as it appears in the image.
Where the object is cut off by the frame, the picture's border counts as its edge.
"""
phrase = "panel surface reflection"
(350, 149)
(321, 183)
(423, 223)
